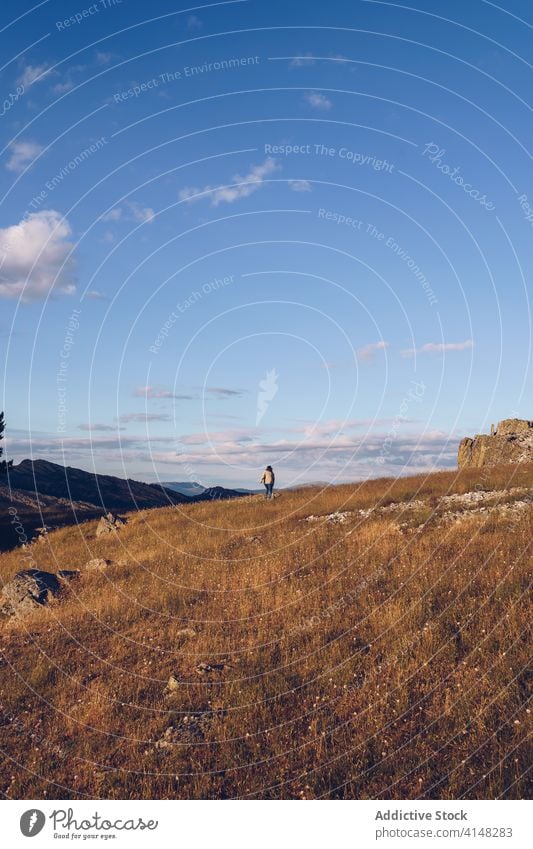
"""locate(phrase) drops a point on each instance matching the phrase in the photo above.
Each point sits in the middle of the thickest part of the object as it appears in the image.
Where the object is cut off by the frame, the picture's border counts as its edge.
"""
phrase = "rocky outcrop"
(510, 442)
(109, 524)
(32, 589)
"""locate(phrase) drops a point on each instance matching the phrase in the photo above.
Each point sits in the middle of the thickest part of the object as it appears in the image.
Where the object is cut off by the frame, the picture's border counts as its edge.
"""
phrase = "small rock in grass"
(98, 564)
(186, 632)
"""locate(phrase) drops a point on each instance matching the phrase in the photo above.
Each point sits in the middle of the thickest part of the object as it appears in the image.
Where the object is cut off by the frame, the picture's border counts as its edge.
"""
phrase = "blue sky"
(258, 232)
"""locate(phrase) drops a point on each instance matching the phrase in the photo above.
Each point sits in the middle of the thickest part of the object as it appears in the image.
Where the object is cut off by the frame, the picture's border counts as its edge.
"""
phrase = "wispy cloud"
(210, 392)
(368, 352)
(240, 186)
(103, 58)
(95, 295)
(303, 61)
(23, 154)
(438, 348)
(214, 392)
(114, 214)
(329, 450)
(32, 74)
(157, 392)
(318, 100)
(97, 427)
(62, 88)
(338, 427)
(225, 437)
(82, 446)
(143, 214)
(131, 211)
(222, 392)
(194, 23)
(34, 257)
(126, 418)
(300, 185)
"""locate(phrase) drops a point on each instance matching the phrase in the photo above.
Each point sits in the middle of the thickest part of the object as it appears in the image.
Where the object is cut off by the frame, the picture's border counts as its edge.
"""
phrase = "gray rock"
(204, 668)
(98, 564)
(109, 524)
(173, 684)
(188, 729)
(29, 590)
(186, 632)
(510, 442)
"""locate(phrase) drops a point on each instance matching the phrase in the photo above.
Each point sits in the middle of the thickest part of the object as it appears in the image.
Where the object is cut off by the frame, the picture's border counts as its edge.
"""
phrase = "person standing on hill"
(268, 478)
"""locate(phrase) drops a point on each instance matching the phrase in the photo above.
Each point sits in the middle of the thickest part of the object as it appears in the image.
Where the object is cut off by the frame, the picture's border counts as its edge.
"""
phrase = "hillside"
(45, 493)
(105, 491)
(366, 641)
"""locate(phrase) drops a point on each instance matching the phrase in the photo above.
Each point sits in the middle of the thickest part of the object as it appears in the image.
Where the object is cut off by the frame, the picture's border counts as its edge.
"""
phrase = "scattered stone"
(416, 504)
(29, 590)
(186, 632)
(337, 518)
(109, 524)
(187, 729)
(204, 668)
(173, 685)
(98, 564)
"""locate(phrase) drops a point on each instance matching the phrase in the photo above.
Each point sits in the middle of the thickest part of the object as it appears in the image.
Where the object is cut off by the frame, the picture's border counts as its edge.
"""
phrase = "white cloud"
(103, 58)
(34, 257)
(132, 210)
(438, 348)
(244, 186)
(194, 23)
(23, 154)
(368, 352)
(302, 61)
(318, 101)
(114, 214)
(327, 450)
(62, 88)
(143, 214)
(32, 74)
(300, 185)
(95, 295)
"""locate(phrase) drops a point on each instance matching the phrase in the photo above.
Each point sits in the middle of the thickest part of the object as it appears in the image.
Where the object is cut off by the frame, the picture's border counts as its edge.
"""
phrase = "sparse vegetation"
(289, 659)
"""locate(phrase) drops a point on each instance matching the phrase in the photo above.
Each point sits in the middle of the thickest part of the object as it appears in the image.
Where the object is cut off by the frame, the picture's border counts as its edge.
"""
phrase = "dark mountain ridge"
(35, 493)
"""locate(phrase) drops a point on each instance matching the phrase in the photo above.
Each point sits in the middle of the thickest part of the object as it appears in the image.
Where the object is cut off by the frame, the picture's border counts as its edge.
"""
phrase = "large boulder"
(29, 590)
(510, 442)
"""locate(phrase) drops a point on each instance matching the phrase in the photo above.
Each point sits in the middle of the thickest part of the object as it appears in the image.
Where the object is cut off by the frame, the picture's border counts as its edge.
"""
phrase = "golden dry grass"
(360, 660)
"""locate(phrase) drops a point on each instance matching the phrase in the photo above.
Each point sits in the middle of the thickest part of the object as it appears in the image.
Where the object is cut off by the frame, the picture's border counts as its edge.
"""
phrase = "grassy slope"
(377, 663)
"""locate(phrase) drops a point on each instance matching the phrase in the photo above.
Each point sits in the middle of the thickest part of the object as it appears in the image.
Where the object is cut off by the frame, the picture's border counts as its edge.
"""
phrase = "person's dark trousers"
(269, 487)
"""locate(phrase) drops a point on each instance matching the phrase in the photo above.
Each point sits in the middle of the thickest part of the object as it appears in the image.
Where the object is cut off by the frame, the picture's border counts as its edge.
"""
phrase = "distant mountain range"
(185, 487)
(37, 492)
(193, 488)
